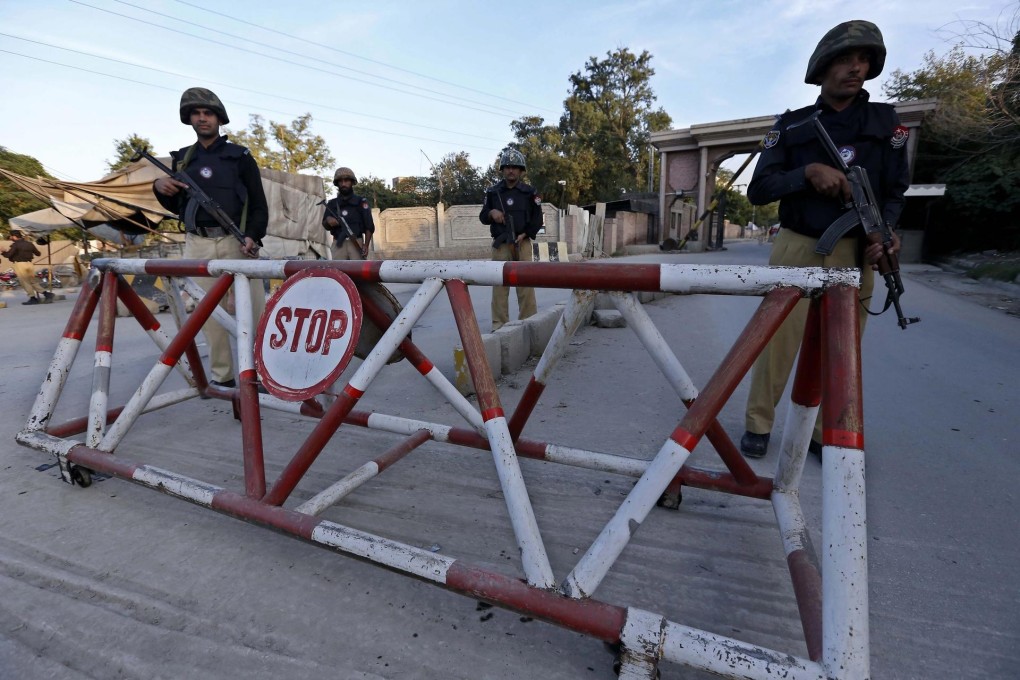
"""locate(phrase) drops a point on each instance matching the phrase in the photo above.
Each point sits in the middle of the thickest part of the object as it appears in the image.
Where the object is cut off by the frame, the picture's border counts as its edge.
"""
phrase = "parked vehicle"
(44, 276)
(8, 279)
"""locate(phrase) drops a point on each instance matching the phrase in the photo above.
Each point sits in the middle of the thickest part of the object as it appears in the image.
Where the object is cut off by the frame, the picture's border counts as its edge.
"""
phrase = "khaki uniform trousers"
(26, 277)
(221, 355)
(347, 250)
(772, 369)
(526, 305)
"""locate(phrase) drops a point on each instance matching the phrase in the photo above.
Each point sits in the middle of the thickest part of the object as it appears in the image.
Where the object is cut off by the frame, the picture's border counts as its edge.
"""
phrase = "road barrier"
(832, 600)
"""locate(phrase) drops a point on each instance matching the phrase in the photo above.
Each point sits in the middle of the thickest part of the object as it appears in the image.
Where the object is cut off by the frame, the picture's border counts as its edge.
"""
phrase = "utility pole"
(439, 177)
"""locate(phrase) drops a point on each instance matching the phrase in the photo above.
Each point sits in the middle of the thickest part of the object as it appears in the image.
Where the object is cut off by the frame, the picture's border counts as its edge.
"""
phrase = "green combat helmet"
(344, 173)
(195, 97)
(513, 158)
(849, 35)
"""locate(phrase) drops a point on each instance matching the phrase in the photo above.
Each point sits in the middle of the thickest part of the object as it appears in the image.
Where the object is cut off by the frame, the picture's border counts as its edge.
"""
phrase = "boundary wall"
(831, 590)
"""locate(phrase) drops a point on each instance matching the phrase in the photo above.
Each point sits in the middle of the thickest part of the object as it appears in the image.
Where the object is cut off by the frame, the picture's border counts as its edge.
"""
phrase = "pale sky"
(389, 83)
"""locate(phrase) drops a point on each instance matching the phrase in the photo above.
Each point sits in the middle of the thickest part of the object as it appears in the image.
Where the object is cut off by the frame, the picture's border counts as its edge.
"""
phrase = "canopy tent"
(124, 201)
(42, 221)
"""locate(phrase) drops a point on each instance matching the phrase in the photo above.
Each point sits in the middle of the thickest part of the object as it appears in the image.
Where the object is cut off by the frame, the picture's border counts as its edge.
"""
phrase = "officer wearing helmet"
(348, 210)
(513, 211)
(795, 169)
(230, 176)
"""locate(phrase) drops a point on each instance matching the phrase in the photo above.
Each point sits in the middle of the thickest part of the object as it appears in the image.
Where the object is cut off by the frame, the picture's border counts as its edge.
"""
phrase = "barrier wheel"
(81, 476)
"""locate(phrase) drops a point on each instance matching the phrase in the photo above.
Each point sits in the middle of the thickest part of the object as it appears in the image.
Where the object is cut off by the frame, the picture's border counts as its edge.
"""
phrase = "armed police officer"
(795, 169)
(230, 176)
(348, 218)
(513, 211)
(21, 252)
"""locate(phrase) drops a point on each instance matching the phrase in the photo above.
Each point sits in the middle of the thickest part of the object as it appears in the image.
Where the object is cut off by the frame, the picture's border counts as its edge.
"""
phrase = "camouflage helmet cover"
(513, 158)
(849, 35)
(344, 173)
(195, 97)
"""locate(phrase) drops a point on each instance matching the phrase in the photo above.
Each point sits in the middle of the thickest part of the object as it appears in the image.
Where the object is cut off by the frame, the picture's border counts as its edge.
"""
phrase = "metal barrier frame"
(833, 601)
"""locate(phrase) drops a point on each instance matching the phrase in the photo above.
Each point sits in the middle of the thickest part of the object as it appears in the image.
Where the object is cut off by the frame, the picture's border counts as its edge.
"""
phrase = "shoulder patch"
(771, 139)
(899, 136)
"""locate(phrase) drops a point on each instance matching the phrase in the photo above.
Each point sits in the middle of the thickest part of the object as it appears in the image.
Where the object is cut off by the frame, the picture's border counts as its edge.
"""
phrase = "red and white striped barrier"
(833, 601)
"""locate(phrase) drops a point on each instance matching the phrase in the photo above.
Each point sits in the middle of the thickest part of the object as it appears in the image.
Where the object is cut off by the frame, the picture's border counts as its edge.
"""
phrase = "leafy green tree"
(972, 141)
(608, 117)
(290, 148)
(124, 149)
(15, 201)
(454, 181)
(383, 197)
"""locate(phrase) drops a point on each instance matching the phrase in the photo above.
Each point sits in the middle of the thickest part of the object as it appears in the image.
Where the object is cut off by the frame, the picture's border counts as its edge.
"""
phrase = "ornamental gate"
(832, 598)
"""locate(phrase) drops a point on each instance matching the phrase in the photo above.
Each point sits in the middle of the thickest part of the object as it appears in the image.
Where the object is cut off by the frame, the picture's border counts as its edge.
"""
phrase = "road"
(117, 581)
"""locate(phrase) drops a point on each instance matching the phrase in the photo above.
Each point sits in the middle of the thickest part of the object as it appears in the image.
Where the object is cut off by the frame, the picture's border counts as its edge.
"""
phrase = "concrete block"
(646, 296)
(604, 301)
(461, 373)
(514, 346)
(605, 318)
(541, 327)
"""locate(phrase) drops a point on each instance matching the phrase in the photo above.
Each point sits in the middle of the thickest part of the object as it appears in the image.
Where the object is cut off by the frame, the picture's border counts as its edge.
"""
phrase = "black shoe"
(228, 384)
(31, 301)
(754, 445)
(47, 296)
(815, 449)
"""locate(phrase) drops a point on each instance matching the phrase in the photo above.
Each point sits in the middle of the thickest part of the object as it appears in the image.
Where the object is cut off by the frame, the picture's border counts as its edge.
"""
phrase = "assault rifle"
(347, 228)
(861, 210)
(199, 199)
(508, 229)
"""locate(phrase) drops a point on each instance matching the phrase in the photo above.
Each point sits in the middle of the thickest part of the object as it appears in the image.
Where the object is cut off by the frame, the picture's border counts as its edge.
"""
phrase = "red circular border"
(287, 393)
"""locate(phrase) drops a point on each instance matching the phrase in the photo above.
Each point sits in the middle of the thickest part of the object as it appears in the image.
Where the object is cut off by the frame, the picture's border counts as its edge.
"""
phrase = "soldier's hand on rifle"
(250, 249)
(827, 180)
(168, 186)
(332, 221)
(496, 215)
(875, 251)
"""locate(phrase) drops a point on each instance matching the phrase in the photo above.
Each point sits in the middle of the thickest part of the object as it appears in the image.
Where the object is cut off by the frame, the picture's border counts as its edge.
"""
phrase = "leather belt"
(210, 232)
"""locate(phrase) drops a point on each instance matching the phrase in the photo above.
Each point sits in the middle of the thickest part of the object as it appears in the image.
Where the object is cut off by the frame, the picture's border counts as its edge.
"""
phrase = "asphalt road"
(117, 581)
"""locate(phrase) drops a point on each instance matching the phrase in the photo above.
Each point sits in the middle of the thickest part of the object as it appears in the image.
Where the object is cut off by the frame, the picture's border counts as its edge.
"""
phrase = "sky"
(395, 86)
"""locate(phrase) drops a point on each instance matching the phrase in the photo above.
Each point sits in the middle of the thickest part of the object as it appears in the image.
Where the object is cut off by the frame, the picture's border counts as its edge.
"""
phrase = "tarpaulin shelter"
(124, 201)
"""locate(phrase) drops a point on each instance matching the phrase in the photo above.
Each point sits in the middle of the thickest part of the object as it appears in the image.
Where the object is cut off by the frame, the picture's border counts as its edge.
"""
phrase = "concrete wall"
(624, 229)
(454, 233)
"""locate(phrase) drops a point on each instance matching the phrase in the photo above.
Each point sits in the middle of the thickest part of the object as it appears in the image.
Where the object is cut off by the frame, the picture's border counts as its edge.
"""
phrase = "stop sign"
(307, 335)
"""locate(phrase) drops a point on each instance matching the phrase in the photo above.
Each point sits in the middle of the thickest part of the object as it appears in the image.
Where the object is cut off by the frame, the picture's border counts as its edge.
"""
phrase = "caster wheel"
(81, 476)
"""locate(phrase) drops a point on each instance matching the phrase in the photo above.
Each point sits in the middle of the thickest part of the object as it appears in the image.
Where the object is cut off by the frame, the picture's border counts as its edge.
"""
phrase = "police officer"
(21, 253)
(513, 211)
(230, 176)
(353, 210)
(795, 169)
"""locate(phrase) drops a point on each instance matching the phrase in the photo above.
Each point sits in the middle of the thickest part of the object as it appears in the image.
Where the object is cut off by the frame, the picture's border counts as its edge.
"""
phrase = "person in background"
(513, 211)
(353, 210)
(21, 252)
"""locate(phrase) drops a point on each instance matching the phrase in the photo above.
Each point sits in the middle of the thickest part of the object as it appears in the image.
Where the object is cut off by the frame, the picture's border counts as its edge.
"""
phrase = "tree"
(15, 201)
(454, 181)
(607, 120)
(972, 142)
(124, 149)
(404, 196)
(599, 149)
(290, 148)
